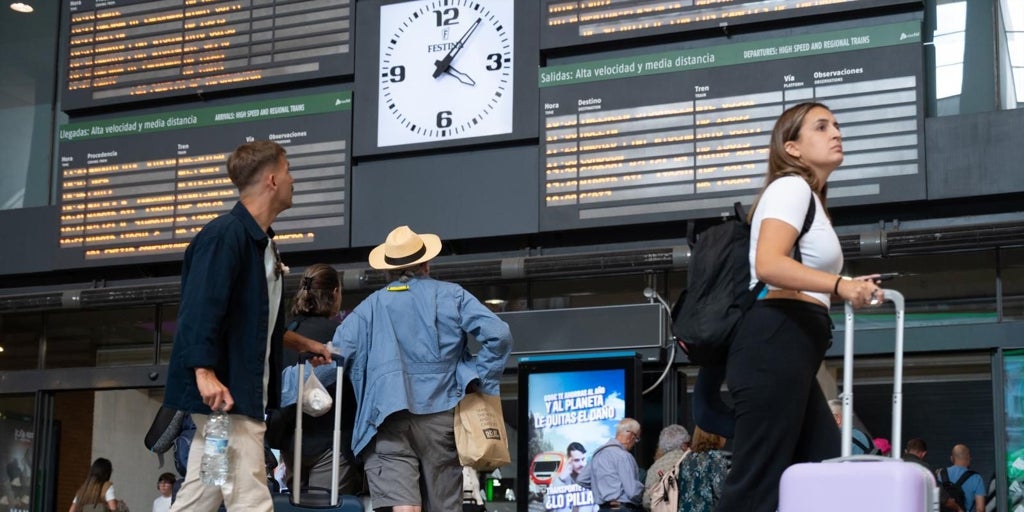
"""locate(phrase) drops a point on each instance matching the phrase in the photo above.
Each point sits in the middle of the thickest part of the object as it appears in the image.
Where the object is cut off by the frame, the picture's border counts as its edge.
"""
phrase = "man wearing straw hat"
(409, 362)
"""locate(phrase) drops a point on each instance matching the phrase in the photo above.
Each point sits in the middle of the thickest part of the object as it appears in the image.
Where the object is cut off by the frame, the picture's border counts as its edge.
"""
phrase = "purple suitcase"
(862, 482)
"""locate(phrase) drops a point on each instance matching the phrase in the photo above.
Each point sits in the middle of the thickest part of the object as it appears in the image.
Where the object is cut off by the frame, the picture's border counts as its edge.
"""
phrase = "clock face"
(445, 70)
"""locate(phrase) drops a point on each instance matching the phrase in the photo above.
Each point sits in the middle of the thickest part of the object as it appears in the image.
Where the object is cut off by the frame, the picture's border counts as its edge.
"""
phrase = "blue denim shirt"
(222, 317)
(405, 348)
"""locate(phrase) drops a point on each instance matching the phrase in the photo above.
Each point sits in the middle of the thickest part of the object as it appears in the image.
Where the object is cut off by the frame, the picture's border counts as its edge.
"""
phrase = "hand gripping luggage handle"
(897, 383)
(297, 446)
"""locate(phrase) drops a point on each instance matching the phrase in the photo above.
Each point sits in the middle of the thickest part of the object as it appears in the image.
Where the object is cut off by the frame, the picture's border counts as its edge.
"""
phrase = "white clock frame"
(472, 94)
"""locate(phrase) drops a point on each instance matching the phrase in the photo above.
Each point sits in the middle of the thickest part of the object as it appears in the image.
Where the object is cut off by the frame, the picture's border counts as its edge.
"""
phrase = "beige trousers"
(246, 489)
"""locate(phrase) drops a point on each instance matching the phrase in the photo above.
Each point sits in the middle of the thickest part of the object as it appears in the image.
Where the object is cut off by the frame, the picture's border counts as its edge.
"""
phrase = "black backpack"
(705, 316)
(954, 489)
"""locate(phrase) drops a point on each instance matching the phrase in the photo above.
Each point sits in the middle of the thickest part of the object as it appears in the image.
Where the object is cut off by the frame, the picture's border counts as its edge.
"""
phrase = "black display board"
(684, 133)
(121, 51)
(570, 23)
(140, 187)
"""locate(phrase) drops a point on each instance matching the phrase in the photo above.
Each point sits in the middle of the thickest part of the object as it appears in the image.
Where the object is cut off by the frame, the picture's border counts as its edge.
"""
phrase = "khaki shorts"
(412, 461)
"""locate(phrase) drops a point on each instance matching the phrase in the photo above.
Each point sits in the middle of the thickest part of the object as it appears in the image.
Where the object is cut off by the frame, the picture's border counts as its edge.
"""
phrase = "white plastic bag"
(315, 399)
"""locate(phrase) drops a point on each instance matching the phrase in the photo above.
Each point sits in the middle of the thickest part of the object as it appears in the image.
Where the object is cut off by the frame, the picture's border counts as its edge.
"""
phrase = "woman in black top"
(315, 315)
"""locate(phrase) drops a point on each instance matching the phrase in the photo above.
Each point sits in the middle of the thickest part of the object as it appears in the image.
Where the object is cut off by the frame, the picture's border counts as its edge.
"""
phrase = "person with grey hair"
(673, 443)
(861, 442)
(613, 475)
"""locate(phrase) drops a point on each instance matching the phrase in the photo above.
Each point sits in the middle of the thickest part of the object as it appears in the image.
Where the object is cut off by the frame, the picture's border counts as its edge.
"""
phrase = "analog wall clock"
(445, 70)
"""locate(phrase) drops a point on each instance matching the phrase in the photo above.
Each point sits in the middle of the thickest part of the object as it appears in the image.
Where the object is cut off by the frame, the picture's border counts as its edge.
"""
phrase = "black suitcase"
(309, 498)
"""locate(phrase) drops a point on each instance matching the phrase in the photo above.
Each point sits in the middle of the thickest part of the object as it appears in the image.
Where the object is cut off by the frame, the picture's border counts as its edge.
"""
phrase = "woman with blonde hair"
(782, 416)
(97, 493)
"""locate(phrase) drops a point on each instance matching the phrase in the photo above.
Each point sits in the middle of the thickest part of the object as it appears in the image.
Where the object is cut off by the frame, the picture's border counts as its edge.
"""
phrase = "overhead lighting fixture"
(22, 7)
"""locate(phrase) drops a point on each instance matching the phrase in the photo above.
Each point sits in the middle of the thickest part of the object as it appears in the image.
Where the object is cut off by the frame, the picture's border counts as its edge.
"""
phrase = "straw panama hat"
(404, 248)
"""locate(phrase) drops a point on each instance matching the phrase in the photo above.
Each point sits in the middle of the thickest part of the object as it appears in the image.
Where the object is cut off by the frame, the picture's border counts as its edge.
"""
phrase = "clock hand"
(460, 76)
(440, 66)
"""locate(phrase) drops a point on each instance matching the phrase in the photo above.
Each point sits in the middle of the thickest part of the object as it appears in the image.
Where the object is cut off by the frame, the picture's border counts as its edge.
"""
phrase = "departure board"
(143, 186)
(684, 134)
(121, 51)
(569, 23)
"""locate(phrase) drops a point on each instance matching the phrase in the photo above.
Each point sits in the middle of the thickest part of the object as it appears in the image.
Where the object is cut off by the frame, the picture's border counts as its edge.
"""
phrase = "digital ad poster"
(16, 437)
(571, 414)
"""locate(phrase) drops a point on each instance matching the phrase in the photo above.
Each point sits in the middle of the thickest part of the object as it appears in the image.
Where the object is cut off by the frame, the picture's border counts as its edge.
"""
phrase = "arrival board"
(143, 186)
(684, 134)
(569, 23)
(121, 51)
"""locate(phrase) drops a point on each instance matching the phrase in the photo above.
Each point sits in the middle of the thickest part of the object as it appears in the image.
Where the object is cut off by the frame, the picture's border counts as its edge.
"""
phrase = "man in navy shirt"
(227, 349)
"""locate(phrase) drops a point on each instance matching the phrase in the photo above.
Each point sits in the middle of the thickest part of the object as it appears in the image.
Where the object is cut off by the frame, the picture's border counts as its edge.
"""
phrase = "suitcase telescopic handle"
(336, 444)
(306, 356)
(897, 382)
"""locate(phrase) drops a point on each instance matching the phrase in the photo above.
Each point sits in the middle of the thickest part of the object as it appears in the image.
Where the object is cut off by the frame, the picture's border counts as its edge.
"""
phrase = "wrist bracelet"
(835, 288)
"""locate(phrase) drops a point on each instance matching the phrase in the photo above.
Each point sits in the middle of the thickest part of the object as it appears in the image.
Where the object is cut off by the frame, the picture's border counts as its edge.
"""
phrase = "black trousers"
(782, 416)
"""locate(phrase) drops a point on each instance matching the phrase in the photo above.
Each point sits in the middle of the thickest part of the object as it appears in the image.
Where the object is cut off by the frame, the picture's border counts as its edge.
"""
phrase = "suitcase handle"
(897, 383)
(336, 443)
(306, 356)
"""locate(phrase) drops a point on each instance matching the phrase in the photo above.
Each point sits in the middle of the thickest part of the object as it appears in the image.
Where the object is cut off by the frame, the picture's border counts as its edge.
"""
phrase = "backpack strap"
(860, 445)
(943, 475)
(808, 221)
(963, 479)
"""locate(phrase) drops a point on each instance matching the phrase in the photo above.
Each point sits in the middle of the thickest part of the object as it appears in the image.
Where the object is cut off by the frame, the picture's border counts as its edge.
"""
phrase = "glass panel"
(950, 22)
(1018, 84)
(168, 328)
(1015, 46)
(939, 288)
(27, 48)
(19, 341)
(950, 17)
(1012, 12)
(108, 424)
(1013, 284)
(99, 338)
(17, 435)
(948, 81)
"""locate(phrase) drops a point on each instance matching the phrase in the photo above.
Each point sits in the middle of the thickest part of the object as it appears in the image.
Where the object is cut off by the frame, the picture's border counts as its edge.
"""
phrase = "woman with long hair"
(782, 416)
(314, 314)
(97, 493)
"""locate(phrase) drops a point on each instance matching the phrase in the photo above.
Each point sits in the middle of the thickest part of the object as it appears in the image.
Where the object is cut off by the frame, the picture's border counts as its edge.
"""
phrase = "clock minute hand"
(440, 66)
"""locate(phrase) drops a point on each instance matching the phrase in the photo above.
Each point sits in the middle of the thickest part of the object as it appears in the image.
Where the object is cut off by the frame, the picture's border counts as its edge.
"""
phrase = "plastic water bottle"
(214, 469)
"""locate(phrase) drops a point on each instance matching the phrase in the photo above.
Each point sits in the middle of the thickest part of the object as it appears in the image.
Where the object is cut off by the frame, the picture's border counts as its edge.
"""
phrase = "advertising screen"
(572, 406)
(1013, 368)
(16, 438)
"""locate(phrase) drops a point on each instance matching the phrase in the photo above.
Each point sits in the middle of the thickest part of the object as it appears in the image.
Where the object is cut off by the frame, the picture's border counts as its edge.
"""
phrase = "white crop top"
(786, 199)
